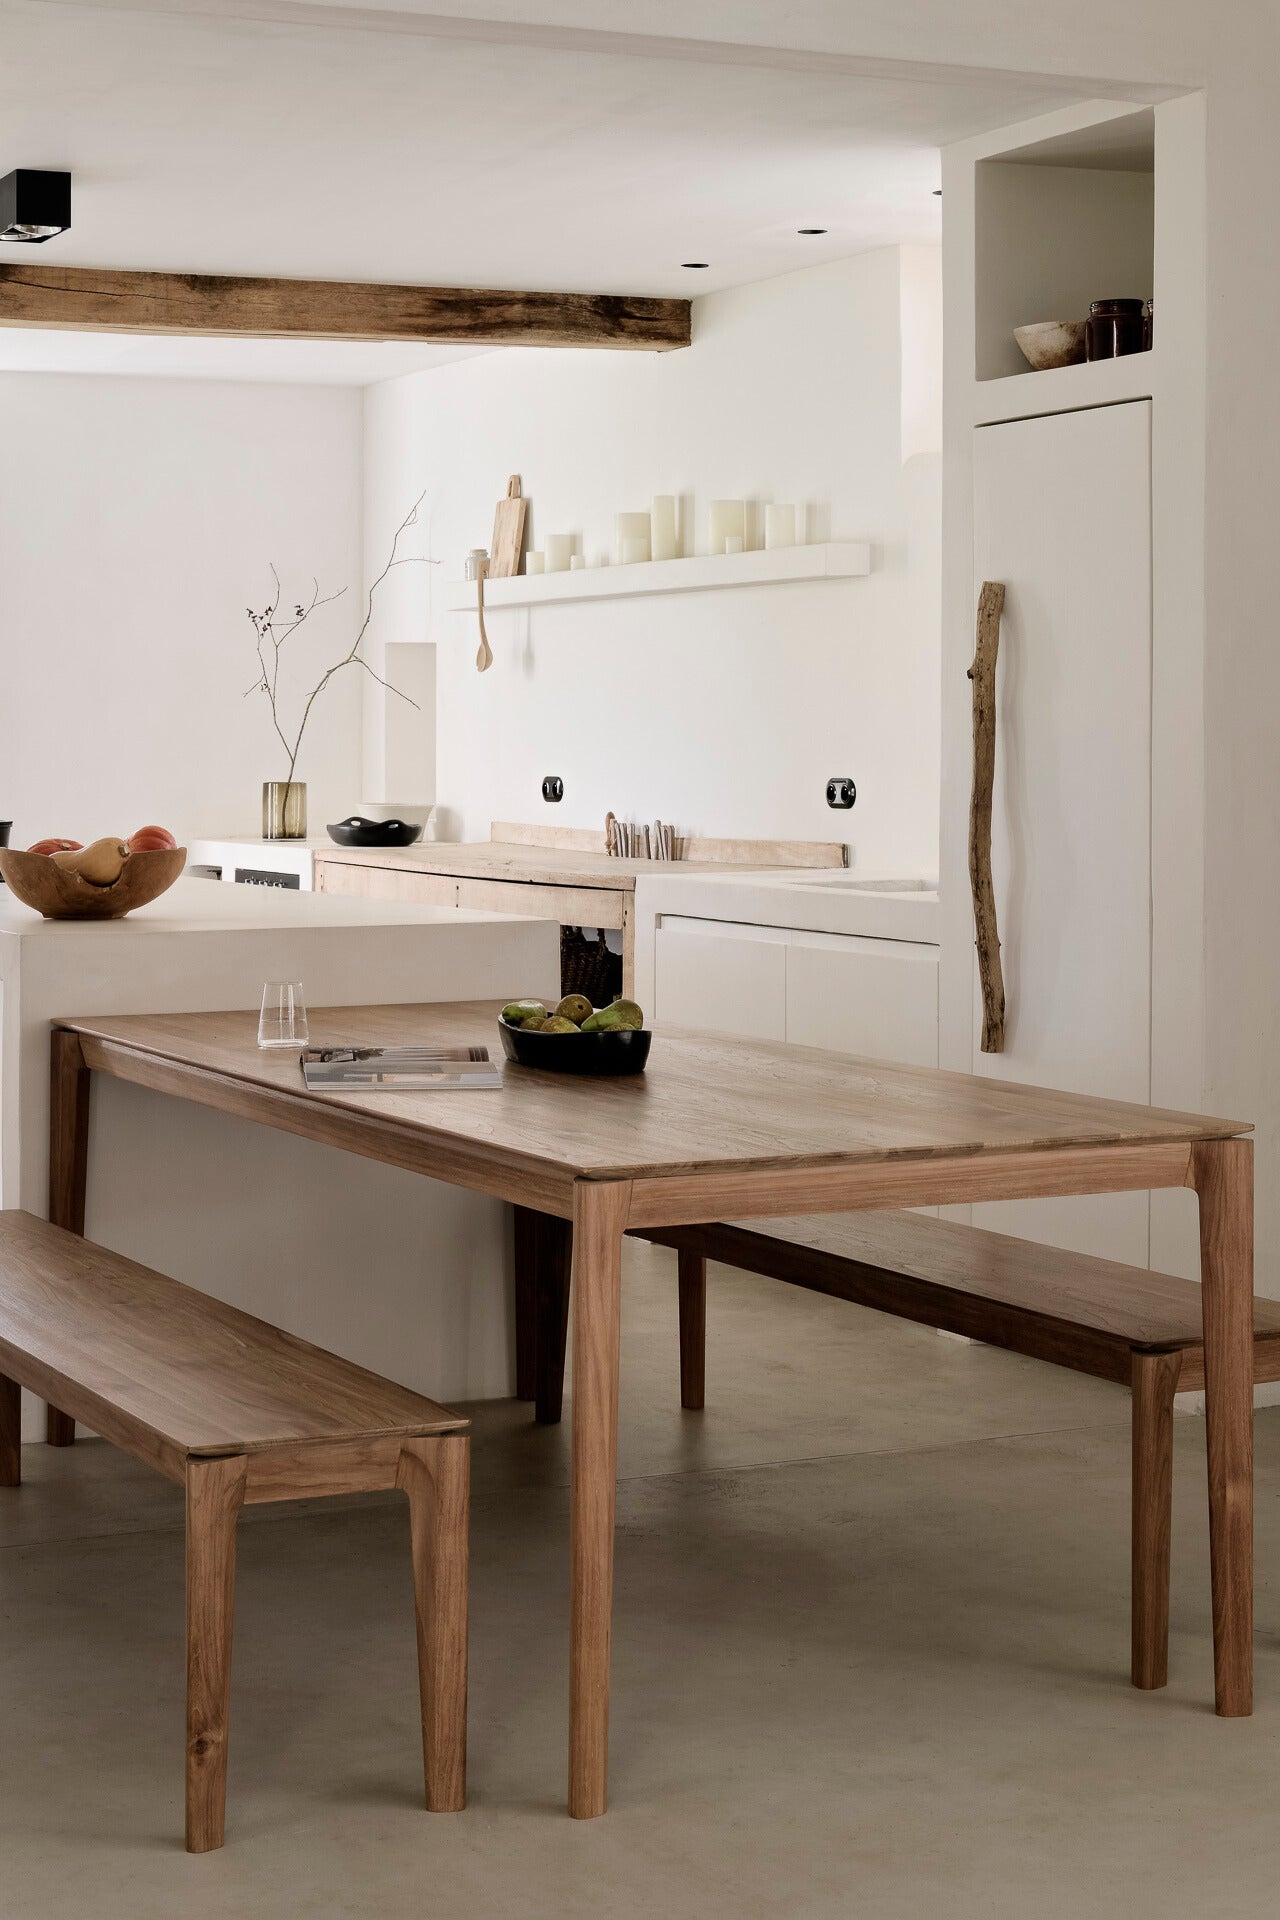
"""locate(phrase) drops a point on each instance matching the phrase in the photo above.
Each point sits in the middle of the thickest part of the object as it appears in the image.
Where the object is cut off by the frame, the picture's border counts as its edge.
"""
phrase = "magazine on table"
(406, 1069)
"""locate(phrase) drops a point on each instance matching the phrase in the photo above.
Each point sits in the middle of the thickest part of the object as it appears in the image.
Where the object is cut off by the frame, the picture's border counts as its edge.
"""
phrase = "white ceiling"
(384, 148)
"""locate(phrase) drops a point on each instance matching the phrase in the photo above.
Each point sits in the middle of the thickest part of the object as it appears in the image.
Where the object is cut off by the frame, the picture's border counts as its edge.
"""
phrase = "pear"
(624, 1016)
(517, 1012)
(534, 1024)
(557, 1024)
(100, 865)
(575, 1007)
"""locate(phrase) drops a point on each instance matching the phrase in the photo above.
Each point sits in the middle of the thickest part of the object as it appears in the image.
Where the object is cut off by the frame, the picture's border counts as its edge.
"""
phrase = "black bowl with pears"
(575, 1037)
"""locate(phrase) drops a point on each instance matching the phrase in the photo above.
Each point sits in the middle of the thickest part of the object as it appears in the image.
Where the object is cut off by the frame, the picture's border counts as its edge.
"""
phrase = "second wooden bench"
(235, 1411)
(1127, 1324)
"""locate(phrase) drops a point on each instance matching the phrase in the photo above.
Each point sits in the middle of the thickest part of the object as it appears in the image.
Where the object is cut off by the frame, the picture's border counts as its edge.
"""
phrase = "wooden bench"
(236, 1411)
(1127, 1324)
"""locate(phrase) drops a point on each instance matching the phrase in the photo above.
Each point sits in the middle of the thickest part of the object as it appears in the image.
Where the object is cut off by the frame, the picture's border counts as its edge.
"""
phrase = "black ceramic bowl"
(356, 831)
(597, 1054)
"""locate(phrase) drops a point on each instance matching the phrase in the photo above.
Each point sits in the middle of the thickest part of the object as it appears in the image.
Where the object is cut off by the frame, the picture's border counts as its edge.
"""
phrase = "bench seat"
(1127, 1324)
(235, 1410)
(1070, 1308)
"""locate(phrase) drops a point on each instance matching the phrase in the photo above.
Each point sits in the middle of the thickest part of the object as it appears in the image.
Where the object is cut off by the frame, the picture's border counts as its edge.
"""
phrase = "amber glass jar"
(1114, 328)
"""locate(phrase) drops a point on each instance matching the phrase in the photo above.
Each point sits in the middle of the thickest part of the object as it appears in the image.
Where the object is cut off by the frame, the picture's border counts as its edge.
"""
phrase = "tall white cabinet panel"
(720, 975)
(872, 997)
(1063, 517)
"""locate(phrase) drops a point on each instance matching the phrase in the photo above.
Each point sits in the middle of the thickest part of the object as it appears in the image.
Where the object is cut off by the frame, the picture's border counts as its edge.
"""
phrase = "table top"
(708, 1102)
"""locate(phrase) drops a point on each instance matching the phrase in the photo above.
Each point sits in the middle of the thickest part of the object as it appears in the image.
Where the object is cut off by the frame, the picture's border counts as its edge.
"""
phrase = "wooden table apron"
(601, 1209)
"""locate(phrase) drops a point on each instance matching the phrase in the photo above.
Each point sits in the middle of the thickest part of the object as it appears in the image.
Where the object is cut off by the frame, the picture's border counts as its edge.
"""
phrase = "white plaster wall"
(722, 712)
(138, 519)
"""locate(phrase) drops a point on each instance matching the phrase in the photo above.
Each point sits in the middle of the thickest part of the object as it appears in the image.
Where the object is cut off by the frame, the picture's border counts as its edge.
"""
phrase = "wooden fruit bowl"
(39, 882)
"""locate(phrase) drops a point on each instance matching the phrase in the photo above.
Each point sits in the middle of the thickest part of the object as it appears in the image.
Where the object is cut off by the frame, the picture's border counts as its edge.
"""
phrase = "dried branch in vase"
(272, 628)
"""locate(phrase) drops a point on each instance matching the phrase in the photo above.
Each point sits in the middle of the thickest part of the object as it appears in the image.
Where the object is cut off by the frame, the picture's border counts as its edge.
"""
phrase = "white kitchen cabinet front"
(1063, 518)
(710, 973)
(854, 995)
(872, 997)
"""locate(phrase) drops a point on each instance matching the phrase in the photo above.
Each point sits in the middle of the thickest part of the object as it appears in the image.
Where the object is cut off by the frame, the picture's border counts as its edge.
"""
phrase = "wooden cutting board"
(508, 533)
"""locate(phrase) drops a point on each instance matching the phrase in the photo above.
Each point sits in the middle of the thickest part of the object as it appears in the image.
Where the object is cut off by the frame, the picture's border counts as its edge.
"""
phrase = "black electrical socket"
(553, 787)
(841, 791)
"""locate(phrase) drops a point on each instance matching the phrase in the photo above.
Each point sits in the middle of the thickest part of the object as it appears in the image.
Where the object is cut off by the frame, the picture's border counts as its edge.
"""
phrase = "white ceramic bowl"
(1051, 343)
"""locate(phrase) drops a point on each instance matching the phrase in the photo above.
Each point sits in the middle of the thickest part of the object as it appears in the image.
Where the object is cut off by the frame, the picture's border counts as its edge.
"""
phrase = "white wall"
(138, 519)
(722, 712)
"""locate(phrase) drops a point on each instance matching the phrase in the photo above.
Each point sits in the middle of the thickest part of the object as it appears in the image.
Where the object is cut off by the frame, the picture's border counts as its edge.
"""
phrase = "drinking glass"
(283, 1020)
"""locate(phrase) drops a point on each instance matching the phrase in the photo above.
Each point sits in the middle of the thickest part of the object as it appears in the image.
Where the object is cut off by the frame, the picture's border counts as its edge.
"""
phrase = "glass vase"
(284, 809)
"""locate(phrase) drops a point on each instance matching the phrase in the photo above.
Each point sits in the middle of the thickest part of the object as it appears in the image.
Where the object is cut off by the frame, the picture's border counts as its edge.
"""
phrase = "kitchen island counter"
(403, 1275)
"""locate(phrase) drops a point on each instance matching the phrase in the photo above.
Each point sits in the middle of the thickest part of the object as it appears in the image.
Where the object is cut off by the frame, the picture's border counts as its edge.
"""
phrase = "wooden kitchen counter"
(549, 873)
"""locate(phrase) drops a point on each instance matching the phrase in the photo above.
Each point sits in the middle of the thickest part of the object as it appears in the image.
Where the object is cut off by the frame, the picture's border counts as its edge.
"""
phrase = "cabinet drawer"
(386, 883)
(878, 998)
(571, 906)
(731, 980)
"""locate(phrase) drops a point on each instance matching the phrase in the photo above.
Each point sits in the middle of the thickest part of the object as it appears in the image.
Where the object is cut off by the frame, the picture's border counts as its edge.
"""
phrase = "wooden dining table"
(718, 1128)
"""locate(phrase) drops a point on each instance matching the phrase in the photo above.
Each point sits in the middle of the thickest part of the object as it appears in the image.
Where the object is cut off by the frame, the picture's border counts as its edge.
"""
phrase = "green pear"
(517, 1012)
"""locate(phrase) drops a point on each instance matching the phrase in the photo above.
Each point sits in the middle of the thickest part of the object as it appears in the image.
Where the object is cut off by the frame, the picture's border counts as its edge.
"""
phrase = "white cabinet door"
(878, 998)
(721, 975)
(1063, 517)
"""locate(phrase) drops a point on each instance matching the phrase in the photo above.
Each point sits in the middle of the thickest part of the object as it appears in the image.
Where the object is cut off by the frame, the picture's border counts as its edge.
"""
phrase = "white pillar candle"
(728, 519)
(534, 562)
(558, 549)
(630, 529)
(577, 561)
(634, 551)
(663, 541)
(733, 543)
(779, 526)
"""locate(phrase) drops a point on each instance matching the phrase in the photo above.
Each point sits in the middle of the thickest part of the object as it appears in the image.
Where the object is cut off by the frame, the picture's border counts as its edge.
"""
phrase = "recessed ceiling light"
(811, 229)
(695, 263)
(34, 204)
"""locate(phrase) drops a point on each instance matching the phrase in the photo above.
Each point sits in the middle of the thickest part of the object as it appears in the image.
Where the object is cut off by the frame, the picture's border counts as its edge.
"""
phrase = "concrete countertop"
(810, 899)
(201, 906)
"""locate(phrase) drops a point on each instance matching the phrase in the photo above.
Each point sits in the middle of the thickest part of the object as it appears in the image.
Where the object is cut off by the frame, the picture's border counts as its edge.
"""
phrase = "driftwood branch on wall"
(986, 934)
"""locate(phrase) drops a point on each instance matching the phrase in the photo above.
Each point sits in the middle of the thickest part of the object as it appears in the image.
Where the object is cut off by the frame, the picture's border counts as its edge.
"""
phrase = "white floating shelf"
(834, 560)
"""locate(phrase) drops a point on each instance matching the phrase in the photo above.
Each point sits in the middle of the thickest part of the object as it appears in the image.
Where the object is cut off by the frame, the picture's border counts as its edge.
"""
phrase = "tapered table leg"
(1222, 1174)
(599, 1218)
(69, 1084)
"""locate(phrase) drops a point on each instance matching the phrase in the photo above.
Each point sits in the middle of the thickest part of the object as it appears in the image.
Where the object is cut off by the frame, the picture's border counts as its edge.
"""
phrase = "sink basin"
(847, 883)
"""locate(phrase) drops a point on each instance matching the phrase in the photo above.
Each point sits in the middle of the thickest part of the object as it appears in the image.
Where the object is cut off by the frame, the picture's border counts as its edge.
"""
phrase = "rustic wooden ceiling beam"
(36, 294)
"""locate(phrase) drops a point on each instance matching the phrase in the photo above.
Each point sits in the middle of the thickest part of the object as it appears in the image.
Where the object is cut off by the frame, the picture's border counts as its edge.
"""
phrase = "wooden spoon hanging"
(484, 652)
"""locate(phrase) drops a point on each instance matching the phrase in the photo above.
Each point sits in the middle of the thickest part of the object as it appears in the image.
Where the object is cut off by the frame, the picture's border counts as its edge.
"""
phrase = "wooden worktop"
(584, 864)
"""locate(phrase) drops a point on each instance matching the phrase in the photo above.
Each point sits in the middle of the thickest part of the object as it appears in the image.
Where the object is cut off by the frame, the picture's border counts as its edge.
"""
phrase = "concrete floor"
(870, 1658)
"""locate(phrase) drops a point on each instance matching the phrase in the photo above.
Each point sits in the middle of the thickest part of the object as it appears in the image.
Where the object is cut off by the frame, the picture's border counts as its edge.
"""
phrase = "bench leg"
(10, 1432)
(436, 1475)
(69, 1087)
(693, 1330)
(1155, 1381)
(1222, 1174)
(215, 1494)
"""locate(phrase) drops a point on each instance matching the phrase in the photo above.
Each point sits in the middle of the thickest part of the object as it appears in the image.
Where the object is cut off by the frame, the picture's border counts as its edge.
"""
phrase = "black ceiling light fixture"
(34, 204)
